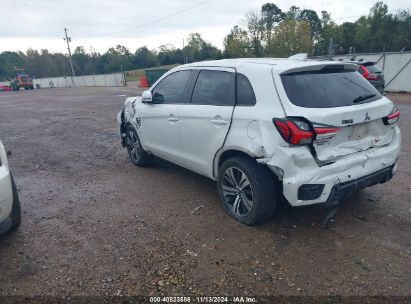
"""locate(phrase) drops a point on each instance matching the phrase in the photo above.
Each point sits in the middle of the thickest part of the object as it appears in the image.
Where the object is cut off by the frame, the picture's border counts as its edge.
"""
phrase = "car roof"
(279, 65)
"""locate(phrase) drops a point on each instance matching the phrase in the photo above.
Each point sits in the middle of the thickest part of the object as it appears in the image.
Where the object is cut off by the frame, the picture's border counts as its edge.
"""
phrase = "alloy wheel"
(237, 191)
(133, 145)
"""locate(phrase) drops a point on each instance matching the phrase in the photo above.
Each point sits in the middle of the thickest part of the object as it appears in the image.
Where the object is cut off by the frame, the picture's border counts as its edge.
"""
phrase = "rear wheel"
(247, 190)
(138, 156)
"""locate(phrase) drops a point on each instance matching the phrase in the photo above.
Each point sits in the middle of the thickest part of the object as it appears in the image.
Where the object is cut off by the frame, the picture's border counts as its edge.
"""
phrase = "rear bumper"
(342, 190)
(352, 172)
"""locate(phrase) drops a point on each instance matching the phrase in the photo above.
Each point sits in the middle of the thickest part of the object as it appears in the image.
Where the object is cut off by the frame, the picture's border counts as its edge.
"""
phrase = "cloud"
(40, 23)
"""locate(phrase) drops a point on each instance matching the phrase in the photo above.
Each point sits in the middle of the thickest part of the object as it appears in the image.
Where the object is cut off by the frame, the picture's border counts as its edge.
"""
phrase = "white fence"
(103, 80)
(396, 68)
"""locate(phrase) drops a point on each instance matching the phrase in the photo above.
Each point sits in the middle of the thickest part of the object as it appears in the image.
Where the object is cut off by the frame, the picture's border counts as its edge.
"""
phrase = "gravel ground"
(94, 224)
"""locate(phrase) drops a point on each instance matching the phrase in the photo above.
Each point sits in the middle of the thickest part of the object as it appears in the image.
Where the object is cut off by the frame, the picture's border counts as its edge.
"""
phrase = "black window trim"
(189, 88)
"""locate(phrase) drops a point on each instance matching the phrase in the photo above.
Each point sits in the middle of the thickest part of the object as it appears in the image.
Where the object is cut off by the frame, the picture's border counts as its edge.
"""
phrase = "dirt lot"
(94, 224)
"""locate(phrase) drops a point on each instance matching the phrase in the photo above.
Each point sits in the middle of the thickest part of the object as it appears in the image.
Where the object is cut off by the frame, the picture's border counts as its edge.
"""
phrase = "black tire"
(16, 210)
(235, 197)
(138, 156)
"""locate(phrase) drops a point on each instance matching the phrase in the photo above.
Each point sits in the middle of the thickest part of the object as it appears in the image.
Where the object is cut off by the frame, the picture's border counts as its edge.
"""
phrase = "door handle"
(172, 118)
(219, 122)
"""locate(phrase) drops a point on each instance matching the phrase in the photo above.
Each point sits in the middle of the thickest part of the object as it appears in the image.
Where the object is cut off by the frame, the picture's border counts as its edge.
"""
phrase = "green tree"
(236, 43)
(291, 37)
(144, 58)
(80, 60)
(271, 16)
(255, 26)
(198, 49)
(116, 59)
(328, 28)
(315, 23)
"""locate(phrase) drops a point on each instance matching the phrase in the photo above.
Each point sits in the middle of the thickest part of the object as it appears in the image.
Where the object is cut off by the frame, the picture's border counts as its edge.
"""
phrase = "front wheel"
(138, 156)
(247, 190)
(16, 209)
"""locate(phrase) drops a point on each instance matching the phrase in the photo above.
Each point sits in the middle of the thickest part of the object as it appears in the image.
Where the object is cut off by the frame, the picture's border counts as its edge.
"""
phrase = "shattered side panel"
(257, 138)
(127, 116)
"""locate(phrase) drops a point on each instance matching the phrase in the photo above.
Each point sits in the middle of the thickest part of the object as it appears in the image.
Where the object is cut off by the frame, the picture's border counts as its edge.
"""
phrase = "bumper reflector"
(308, 192)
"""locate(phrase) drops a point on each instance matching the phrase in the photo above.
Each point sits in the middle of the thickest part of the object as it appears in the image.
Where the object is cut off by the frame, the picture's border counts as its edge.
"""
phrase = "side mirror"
(146, 97)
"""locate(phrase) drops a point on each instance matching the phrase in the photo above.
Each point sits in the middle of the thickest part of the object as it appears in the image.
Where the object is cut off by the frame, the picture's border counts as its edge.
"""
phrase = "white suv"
(10, 214)
(309, 131)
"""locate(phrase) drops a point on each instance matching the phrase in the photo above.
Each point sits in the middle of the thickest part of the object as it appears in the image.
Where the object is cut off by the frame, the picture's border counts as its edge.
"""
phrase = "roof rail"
(299, 56)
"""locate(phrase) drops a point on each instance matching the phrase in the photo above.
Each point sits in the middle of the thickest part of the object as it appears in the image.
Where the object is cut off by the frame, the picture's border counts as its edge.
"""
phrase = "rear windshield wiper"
(363, 97)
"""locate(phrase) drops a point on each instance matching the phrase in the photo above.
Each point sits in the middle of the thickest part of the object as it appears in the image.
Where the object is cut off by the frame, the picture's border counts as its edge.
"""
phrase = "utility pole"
(68, 40)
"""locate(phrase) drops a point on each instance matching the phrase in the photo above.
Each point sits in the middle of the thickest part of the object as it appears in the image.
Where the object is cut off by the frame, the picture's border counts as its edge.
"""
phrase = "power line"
(154, 21)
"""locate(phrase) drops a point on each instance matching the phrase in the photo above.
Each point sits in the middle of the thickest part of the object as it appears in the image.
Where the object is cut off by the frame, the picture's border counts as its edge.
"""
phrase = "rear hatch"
(337, 96)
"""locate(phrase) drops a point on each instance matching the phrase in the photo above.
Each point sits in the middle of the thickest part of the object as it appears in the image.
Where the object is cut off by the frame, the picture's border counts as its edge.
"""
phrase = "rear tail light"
(366, 74)
(392, 118)
(294, 131)
(299, 131)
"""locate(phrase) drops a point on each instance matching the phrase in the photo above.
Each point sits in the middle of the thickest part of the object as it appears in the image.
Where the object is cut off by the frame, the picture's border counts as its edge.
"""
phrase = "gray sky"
(94, 23)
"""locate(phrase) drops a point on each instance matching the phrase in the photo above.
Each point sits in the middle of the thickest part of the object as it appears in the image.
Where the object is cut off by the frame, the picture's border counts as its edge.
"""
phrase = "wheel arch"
(223, 155)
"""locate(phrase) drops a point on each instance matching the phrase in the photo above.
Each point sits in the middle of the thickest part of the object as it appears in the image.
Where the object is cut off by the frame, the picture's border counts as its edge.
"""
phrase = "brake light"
(324, 131)
(299, 131)
(392, 118)
(366, 74)
(294, 131)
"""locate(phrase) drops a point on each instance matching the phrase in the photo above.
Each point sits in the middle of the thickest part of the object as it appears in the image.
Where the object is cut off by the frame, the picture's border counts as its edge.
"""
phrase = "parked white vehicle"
(310, 131)
(10, 214)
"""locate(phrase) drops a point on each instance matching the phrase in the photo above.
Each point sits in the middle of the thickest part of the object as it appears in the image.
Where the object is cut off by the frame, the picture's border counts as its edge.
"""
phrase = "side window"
(214, 88)
(245, 92)
(171, 89)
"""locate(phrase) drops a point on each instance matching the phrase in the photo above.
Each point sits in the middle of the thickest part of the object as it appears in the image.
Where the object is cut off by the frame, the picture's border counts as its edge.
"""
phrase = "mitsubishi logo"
(367, 117)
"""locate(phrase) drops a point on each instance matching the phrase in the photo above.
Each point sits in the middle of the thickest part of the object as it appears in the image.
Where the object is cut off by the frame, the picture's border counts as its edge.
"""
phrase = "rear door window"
(214, 88)
(328, 89)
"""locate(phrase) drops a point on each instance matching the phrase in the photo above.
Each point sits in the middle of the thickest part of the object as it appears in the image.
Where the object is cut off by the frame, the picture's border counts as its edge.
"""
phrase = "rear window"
(328, 89)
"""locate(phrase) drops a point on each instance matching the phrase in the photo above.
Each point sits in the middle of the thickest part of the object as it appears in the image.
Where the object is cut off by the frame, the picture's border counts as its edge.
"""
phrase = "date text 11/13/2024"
(203, 299)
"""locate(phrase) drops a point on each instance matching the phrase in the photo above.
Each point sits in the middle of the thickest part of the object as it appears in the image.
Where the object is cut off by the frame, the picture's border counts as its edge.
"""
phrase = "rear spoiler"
(322, 66)
(368, 63)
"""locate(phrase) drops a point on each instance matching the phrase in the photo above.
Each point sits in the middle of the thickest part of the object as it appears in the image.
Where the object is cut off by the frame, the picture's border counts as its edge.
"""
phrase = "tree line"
(268, 32)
